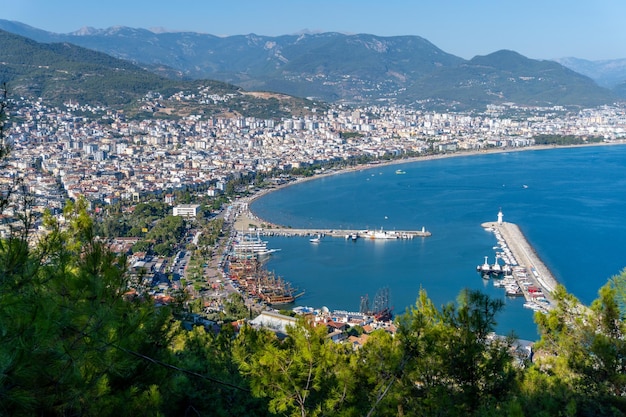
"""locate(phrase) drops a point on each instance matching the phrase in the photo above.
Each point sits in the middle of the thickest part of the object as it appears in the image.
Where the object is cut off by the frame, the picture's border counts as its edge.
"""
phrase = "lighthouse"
(500, 215)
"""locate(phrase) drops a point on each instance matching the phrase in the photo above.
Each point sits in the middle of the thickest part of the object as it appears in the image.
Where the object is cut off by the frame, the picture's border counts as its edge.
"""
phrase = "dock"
(537, 273)
(346, 233)
(243, 219)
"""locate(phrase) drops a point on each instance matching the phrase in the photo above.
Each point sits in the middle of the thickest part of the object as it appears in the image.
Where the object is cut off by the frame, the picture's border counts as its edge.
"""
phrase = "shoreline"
(247, 216)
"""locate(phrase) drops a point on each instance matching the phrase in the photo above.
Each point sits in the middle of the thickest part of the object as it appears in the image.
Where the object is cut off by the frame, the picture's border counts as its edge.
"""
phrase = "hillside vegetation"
(61, 72)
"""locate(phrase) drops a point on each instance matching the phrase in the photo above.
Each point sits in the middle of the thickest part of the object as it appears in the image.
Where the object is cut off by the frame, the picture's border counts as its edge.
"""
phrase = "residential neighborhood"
(64, 152)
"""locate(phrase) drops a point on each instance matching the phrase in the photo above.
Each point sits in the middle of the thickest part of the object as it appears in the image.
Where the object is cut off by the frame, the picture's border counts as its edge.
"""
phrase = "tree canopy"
(76, 340)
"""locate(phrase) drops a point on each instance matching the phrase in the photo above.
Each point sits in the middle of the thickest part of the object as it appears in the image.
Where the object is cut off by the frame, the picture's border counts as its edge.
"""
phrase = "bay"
(569, 202)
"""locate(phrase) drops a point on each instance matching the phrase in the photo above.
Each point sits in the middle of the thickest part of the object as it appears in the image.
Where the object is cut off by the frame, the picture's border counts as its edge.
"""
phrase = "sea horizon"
(451, 197)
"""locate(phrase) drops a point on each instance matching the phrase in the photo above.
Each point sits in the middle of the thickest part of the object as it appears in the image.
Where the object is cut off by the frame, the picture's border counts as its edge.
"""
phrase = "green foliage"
(206, 354)
(60, 72)
(450, 364)
(349, 135)
(166, 233)
(564, 140)
(235, 308)
(68, 329)
(300, 375)
(618, 283)
(583, 350)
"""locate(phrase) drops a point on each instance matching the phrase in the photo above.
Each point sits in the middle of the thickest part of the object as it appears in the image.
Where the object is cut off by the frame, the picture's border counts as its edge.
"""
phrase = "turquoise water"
(570, 204)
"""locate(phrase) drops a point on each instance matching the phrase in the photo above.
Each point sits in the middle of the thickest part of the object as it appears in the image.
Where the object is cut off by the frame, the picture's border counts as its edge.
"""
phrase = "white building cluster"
(111, 158)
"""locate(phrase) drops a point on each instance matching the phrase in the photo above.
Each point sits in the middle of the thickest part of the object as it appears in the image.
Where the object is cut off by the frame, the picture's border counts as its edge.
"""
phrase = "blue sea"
(570, 203)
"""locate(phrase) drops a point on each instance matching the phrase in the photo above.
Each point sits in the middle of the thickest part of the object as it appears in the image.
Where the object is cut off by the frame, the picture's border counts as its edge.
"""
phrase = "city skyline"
(538, 30)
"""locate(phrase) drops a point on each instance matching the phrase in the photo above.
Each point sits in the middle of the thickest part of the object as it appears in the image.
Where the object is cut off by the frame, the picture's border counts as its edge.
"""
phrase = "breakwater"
(536, 280)
(347, 233)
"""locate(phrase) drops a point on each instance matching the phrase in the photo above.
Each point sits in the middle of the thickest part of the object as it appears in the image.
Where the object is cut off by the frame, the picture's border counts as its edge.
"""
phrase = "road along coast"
(536, 280)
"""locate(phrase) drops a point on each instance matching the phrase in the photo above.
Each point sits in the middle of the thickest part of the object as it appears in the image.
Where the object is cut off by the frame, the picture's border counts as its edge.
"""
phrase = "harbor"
(523, 272)
(247, 254)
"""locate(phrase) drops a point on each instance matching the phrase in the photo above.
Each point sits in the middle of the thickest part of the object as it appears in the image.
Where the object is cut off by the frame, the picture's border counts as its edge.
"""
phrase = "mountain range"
(359, 68)
(607, 73)
(63, 72)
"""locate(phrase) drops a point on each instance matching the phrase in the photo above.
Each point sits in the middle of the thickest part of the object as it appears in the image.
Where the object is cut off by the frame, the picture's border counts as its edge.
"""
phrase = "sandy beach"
(246, 217)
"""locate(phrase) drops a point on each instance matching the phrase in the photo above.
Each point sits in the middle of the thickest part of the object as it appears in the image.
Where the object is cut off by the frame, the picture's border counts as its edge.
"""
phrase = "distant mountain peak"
(161, 29)
(308, 32)
(335, 66)
(500, 55)
(86, 31)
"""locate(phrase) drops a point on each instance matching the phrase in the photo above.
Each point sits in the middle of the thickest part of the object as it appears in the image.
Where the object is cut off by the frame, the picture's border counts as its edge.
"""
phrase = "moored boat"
(382, 234)
(248, 246)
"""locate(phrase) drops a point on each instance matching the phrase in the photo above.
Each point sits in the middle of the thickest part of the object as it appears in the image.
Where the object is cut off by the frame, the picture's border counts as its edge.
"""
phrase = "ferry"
(381, 234)
(251, 246)
(352, 236)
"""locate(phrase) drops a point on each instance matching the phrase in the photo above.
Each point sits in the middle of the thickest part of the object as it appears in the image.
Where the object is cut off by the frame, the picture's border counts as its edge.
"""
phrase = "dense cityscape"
(106, 158)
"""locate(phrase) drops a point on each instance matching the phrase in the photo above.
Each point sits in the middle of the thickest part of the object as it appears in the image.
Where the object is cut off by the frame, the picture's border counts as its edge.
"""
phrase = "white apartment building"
(186, 210)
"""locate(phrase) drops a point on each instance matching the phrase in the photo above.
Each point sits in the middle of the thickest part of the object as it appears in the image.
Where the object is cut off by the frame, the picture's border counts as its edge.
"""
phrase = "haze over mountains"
(62, 72)
(354, 68)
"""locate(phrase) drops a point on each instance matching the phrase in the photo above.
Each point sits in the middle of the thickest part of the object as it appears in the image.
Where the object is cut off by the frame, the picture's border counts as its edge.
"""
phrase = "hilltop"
(335, 67)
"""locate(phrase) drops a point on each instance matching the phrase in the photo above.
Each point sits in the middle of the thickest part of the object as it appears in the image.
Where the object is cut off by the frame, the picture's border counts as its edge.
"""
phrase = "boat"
(354, 236)
(400, 172)
(382, 234)
(380, 310)
(315, 239)
(499, 283)
(513, 290)
(277, 299)
(274, 290)
(248, 246)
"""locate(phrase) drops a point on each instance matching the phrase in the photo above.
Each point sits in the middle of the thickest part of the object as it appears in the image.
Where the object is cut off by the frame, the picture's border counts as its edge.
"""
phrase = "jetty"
(346, 233)
(534, 279)
(243, 219)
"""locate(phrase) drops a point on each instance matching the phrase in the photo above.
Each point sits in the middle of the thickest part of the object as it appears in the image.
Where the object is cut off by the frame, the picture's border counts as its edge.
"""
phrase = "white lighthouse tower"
(500, 215)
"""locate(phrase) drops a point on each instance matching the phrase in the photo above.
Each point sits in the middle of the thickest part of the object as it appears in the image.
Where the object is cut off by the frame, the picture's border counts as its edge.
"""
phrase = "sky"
(538, 29)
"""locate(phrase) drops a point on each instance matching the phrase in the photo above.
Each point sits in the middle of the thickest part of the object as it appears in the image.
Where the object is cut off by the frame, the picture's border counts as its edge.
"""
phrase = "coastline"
(534, 231)
(246, 216)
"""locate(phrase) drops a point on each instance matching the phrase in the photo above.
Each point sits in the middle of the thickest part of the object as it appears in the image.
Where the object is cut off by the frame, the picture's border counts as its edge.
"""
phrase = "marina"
(523, 273)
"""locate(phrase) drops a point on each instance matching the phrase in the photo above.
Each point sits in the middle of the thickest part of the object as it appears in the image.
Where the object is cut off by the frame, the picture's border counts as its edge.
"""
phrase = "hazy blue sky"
(540, 29)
